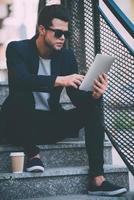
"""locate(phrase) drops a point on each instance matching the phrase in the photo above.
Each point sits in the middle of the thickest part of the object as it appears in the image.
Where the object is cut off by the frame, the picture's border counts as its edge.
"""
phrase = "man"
(38, 71)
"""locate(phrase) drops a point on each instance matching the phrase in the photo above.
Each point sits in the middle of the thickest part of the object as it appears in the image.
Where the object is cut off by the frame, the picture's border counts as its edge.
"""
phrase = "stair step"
(63, 154)
(86, 197)
(54, 181)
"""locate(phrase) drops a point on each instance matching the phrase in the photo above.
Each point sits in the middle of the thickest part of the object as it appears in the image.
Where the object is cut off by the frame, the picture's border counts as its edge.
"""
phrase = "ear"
(41, 29)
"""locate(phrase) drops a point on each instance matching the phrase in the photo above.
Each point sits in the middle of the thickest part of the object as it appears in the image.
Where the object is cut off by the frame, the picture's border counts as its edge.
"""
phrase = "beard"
(54, 47)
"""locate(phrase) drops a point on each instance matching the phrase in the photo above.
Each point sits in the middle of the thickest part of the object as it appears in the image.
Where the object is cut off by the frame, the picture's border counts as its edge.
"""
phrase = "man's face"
(54, 37)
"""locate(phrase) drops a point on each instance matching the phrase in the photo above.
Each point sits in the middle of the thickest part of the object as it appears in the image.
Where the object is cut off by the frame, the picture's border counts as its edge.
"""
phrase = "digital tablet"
(101, 64)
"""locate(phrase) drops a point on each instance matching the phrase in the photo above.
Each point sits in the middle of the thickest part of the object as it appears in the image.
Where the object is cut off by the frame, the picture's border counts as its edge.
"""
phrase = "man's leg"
(91, 118)
(27, 128)
(20, 132)
(67, 124)
(19, 127)
(94, 138)
(53, 127)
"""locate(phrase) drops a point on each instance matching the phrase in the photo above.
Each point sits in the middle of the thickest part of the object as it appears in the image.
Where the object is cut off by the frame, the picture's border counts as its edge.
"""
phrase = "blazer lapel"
(35, 64)
(56, 65)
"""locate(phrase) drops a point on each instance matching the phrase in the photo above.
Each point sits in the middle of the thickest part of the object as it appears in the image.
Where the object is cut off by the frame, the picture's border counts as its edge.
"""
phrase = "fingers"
(76, 80)
(100, 85)
(74, 85)
(78, 77)
(73, 80)
(98, 90)
(102, 81)
(103, 78)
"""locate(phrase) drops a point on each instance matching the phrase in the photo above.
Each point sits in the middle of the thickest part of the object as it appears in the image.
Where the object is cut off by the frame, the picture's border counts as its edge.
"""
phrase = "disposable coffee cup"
(17, 162)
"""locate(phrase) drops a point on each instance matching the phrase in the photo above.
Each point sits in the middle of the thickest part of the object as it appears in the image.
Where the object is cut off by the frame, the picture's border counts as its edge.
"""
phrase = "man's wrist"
(58, 81)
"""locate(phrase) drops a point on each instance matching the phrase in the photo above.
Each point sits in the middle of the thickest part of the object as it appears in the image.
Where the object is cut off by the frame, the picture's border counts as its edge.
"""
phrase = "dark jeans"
(31, 127)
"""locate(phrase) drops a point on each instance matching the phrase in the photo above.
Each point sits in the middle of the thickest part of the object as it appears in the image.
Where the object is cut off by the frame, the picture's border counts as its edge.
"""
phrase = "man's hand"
(100, 86)
(73, 80)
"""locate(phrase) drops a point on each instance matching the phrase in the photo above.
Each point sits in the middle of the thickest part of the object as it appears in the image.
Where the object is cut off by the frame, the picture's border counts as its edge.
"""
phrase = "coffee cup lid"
(17, 154)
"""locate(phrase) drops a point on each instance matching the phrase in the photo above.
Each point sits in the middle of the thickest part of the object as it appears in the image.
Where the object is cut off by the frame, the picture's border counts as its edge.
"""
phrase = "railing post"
(96, 26)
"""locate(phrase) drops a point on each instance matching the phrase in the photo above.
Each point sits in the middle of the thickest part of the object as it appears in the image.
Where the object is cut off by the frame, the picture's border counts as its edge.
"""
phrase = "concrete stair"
(54, 181)
(63, 154)
(65, 176)
(128, 196)
(66, 173)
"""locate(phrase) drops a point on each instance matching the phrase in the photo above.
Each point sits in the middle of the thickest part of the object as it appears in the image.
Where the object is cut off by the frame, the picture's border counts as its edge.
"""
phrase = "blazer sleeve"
(20, 77)
(79, 97)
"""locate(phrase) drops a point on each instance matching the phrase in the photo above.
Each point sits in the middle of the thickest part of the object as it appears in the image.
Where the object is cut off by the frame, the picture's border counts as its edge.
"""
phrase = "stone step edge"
(62, 171)
(83, 197)
(59, 145)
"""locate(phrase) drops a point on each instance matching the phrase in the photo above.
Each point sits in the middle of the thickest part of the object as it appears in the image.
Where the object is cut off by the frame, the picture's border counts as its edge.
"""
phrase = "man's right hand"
(73, 80)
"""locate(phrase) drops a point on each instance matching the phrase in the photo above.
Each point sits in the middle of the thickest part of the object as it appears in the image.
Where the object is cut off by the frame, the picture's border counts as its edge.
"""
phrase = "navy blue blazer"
(23, 64)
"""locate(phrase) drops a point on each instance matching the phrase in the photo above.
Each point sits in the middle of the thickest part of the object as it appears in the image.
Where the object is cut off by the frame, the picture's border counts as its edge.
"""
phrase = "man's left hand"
(100, 86)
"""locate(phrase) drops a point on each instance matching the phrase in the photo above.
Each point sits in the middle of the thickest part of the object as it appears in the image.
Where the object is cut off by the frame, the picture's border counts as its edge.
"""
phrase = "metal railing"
(93, 32)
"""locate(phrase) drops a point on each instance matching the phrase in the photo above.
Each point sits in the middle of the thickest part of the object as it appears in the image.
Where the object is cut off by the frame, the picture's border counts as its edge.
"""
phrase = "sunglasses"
(59, 33)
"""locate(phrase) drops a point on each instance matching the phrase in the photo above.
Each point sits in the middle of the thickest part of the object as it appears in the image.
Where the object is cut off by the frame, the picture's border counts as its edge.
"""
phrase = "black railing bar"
(131, 50)
(128, 25)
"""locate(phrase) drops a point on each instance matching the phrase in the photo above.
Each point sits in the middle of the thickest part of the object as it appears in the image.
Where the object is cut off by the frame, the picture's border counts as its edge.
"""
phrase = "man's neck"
(44, 51)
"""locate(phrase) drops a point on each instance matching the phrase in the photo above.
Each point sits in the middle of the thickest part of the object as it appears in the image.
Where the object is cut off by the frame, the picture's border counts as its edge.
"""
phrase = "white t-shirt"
(41, 98)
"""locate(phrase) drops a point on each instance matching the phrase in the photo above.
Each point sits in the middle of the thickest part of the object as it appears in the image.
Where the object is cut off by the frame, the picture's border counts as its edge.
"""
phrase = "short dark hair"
(48, 13)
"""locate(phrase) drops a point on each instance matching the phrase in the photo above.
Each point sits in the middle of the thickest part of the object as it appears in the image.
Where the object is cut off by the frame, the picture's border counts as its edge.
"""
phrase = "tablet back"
(101, 64)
